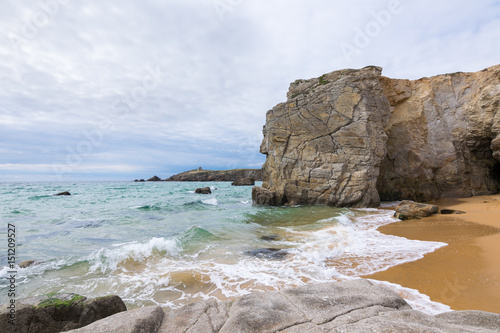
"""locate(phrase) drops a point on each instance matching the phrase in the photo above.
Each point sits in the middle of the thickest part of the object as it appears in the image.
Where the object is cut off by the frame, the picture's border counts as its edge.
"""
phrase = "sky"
(119, 90)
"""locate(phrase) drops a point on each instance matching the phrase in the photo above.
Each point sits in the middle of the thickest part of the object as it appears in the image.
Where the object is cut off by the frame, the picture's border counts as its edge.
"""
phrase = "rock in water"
(203, 190)
(154, 179)
(351, 137)
(247, 181)
(63, 193)
(407, 210)
(26, 263)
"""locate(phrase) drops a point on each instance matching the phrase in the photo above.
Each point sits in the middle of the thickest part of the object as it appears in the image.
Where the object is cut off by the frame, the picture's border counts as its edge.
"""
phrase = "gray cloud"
(134, 88)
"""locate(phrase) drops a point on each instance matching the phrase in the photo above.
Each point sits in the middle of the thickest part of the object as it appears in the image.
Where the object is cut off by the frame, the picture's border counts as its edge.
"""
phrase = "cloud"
(163, 86)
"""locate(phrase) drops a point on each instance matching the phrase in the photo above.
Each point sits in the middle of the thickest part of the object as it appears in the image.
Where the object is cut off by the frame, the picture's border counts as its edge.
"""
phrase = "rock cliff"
(352, 137)
(198, 175)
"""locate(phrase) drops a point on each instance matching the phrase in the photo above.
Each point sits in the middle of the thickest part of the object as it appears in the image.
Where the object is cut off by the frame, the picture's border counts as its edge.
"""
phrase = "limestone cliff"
(350, 137)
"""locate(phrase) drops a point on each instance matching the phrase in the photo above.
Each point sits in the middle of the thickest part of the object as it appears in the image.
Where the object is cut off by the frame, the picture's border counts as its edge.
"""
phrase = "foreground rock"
(407, 210)
(247, 181)
(142, 320)
(203, 190)
(57, 313)
(63, 193)
(349, 306)
(351, 137)
(200, 175)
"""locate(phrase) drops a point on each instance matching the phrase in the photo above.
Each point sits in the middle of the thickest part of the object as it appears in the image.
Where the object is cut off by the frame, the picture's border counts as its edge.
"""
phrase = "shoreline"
(464, 275)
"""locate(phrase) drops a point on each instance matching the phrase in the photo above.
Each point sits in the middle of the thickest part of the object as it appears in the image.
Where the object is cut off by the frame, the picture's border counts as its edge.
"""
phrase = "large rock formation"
(349, 306)
(198, 175)
(350, 137)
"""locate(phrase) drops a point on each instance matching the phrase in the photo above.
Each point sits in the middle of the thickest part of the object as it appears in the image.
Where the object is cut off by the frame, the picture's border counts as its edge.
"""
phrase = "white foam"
(105, 259)
(415, 299)
(211, 201)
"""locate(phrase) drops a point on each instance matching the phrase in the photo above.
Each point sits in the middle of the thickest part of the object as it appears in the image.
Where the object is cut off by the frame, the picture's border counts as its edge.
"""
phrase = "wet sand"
(465, 274)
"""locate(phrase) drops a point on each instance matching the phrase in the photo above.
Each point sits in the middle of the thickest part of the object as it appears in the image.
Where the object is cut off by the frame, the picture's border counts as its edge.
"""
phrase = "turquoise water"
(160, 243)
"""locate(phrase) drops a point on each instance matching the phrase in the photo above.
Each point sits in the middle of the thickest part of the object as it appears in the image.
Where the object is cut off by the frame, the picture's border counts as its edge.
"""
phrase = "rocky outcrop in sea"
(353, 137)
(200, 175)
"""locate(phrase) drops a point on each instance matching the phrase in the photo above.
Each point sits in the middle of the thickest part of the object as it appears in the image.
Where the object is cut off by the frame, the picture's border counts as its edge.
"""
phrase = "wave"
(105, 260)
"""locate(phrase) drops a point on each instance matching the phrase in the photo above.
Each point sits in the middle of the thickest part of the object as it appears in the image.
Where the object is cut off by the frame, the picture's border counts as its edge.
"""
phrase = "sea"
(161, 243)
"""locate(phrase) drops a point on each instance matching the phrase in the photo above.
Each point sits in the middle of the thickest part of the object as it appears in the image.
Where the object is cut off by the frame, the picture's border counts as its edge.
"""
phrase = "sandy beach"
(465, 274)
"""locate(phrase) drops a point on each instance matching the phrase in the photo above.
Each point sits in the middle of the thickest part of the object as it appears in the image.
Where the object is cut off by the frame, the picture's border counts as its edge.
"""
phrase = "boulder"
(154, 179)
(141, 180)
(203, 190)
(26, 263)
(142, 320)
(247, 181)
(407, 210)
(263, 196)
(57, 313)
(63, 193)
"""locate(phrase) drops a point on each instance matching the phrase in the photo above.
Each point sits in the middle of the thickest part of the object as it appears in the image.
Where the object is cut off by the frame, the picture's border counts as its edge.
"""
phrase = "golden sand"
(465, 274)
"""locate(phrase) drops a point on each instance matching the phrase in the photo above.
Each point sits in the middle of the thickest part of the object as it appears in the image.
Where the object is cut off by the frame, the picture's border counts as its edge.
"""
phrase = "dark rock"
(247, 181)
(57, 313)
(412, 210)
(26, 263)
(154, 179)
(141, 180)
(63, 193)
(136, 180)
(203, 190)
(270, 238)
(142, 320)
(451, 211)
(263, 196)
(268, 253)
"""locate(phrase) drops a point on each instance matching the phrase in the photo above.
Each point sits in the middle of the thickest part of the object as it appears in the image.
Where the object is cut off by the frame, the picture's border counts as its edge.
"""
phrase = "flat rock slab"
(349, 306)
(142, 320)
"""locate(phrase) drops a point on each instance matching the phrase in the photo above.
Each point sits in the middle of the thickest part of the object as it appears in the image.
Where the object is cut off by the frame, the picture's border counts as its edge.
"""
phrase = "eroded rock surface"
(443, 137)
(325, 144)
(350, 306)
(351, 137)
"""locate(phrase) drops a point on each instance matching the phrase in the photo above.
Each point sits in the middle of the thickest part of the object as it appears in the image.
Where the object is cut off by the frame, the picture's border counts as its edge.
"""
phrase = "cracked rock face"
(351, 137)
(443, 137)
(325, 144)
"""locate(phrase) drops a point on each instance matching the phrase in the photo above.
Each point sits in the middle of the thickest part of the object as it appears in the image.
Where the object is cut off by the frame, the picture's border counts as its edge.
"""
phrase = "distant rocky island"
(351, 138)
(201, 175)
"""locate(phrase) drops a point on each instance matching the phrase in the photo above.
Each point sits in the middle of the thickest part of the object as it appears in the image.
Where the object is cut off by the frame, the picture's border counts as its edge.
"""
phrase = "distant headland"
(201, 175)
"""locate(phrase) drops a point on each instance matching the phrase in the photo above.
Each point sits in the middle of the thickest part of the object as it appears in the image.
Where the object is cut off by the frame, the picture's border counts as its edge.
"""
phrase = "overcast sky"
(118, 90)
